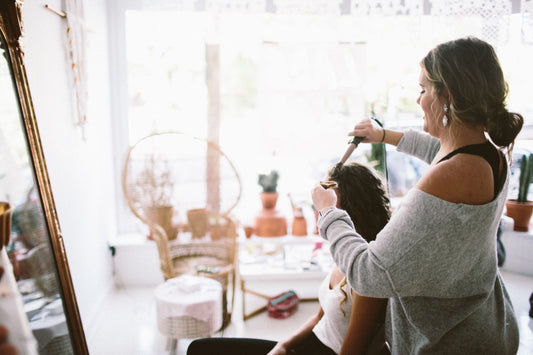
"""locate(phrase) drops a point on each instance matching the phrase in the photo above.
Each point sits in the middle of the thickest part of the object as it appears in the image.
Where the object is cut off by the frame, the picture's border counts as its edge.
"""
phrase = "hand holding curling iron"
(368, 132)
(365, 132)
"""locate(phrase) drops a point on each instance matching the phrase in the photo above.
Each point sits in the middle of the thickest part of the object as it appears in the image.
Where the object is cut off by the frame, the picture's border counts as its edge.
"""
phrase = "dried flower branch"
(155, 182)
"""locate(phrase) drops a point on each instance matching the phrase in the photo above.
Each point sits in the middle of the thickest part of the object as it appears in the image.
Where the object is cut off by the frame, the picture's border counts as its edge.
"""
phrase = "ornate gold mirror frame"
(51, 240)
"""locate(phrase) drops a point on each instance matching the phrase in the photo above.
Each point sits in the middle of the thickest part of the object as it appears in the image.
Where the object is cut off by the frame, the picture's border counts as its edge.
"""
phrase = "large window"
(290, 86)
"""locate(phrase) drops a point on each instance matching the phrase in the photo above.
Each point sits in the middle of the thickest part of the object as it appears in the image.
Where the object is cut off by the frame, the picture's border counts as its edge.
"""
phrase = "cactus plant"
(269, 182)
(526, 174)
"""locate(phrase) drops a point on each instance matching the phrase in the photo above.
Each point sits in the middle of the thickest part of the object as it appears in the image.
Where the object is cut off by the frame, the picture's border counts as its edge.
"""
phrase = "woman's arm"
(374, 134)
(415, 143)
(284, 346)
(366, 313)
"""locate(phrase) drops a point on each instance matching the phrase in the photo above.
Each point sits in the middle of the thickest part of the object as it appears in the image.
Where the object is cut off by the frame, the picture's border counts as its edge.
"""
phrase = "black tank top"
(488, 152)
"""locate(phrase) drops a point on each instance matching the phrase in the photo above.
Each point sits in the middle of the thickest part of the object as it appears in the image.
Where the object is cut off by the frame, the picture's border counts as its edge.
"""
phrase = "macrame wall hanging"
(76, 56)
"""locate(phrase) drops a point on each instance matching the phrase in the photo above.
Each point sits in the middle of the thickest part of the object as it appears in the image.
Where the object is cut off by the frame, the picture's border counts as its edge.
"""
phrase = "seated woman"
(346, 323)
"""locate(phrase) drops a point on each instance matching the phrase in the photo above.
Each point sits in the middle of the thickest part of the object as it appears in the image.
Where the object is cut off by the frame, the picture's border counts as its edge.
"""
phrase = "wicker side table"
(188, 307)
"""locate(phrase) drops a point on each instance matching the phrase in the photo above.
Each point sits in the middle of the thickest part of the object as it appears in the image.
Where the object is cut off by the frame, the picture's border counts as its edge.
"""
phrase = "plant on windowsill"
(269, 183)
(521, 209)
(155, 188)
(269, 222)
(377, 157)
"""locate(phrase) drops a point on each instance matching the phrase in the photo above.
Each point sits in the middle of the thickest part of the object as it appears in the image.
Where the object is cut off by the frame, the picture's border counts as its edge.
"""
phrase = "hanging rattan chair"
(168, 176)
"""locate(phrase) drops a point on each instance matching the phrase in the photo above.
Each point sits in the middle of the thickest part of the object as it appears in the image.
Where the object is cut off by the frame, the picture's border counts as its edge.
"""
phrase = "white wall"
(80, 169)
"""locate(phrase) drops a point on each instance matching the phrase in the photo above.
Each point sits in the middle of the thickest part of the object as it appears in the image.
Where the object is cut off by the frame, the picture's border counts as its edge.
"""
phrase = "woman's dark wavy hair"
(363, 196)
(467, 72)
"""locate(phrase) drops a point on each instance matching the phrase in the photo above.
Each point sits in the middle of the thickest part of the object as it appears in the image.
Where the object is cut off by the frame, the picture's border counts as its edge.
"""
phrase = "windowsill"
(129, 239)
(518, 248)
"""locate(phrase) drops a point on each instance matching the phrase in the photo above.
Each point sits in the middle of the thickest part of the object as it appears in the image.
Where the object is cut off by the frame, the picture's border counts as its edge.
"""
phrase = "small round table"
(188, 307)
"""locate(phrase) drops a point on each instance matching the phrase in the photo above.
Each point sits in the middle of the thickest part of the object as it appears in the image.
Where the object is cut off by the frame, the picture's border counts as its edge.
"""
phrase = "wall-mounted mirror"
(36, 248)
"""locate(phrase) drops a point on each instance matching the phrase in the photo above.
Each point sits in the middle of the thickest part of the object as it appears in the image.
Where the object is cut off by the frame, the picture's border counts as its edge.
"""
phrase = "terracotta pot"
(162, 215)
(521, 213)
(269, 222)
(269, 200)
(198, 219)
(248, 231)
(299, 227)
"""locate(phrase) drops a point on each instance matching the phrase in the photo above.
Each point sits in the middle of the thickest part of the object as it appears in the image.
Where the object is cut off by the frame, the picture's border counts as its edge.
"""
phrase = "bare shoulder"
(464, 178)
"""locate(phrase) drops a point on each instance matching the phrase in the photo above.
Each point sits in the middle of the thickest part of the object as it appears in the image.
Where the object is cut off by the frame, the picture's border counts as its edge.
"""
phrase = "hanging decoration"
(306, 7)
(76, 55)
(387, 8)
(75, 43)
(494, 15)
(160, 5)
(240, 6)
(527, 21)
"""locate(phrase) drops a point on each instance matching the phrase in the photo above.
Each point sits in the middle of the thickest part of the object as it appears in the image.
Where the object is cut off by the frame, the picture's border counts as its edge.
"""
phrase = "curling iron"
(355, 142)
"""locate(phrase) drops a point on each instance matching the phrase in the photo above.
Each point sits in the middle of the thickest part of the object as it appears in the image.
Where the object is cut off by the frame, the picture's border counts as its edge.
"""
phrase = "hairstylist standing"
(436, 258)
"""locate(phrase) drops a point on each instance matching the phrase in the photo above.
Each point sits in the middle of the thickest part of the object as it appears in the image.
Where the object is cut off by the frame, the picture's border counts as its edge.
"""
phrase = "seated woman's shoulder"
(464, 178)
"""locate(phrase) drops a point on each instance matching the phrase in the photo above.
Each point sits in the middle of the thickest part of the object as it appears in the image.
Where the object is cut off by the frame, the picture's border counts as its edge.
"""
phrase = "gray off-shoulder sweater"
(436, 261)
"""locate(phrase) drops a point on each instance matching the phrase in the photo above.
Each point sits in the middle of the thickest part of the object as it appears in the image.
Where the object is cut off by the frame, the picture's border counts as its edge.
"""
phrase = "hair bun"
(504, 127)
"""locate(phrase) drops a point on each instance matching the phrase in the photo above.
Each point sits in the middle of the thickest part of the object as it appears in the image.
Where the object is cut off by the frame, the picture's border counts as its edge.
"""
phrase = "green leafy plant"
(526, 174)
(377, 158)
(269, 182)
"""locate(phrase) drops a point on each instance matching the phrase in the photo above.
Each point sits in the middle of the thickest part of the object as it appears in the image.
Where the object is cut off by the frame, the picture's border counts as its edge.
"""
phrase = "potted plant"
(521, 209)
(269, 222)
(377, 158)
(269, 183)
(299, 224)
(155, 187)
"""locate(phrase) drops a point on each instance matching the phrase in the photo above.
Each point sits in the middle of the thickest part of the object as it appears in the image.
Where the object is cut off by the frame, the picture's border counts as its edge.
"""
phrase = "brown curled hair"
(363, 196)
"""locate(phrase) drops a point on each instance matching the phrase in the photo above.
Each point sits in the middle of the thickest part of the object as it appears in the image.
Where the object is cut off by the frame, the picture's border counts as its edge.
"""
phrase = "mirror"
(36, 248)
